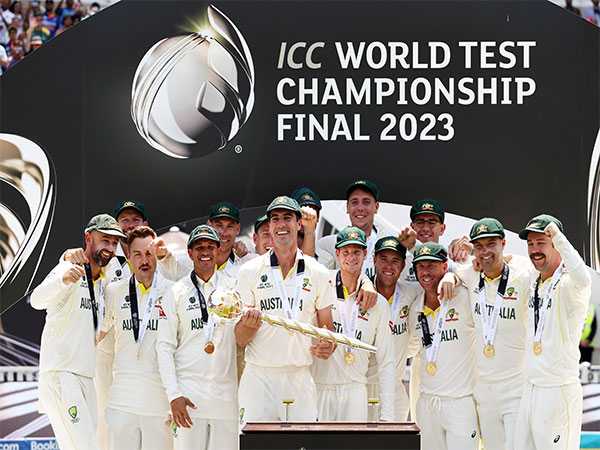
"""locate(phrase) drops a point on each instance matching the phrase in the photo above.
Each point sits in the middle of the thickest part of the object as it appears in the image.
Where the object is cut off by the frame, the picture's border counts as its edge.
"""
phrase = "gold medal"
(348, 357)
(431, 368)
(209, 347)
(489, 351)
(537, 348)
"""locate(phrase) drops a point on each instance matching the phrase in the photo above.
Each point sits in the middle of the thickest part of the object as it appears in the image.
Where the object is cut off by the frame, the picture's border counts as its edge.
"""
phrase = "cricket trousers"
(69, 400)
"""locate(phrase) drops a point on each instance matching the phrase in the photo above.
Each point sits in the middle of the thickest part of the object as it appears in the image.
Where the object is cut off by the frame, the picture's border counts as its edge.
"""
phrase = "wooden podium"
(329, 436)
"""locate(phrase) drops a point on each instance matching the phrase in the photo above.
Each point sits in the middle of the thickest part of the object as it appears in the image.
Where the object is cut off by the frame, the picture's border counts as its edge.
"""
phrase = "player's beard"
(101, 257)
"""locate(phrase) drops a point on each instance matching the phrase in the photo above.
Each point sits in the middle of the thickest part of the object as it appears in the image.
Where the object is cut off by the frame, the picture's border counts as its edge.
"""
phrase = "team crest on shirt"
(264, 282)
(73, 413)
(451, 315)
(193, 304)
(510, 294)
(403, 312)
(306, 285)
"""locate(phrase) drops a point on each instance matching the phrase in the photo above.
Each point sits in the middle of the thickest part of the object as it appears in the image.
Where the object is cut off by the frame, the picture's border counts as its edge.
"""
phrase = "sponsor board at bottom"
(28, 444)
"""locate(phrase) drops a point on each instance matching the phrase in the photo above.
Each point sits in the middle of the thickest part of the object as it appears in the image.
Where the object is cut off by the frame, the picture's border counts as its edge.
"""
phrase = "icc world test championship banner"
(490, 107)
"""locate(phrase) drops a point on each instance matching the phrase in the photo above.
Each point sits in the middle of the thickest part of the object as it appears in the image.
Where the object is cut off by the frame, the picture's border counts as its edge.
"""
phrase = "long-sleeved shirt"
(209, 380)
(400, 326)
(68, 338)
(456, 370)
(136, 387)
(274, 346)
(509, 342)
(372, 327)
(558, 364)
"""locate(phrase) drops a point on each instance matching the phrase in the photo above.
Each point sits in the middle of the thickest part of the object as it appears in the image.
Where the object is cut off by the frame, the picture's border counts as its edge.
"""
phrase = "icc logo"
(192, 93)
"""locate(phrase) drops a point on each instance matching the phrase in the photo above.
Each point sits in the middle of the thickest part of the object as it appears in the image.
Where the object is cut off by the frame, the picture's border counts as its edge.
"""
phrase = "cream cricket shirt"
(372, 327)
(68, 338)
(136, 388)
(558, 364)
(456, 372)
(114, 271)
(400, 327)
(509, 341)
(208, 380)
(274, 346)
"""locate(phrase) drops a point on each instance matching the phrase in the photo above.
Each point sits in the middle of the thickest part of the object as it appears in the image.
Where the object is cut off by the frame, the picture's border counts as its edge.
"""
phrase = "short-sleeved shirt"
(274, 346)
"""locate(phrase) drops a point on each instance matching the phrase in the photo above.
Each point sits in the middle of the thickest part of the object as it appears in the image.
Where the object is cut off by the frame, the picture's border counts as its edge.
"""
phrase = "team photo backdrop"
(490, 107)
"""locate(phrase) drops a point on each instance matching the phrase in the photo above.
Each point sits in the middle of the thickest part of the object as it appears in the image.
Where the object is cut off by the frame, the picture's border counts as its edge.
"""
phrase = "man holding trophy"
(342, 379)
(277, 383)
(197, 353)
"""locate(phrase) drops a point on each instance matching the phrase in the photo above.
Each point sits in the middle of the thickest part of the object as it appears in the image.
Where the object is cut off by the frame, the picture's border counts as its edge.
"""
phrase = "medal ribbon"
(201, 298)
(291, 306)
(396, 303)
(489, 323)
(90, 282)
(539, 312)
(349, 310)
(432, 351)
(209, 323)
(138, 333)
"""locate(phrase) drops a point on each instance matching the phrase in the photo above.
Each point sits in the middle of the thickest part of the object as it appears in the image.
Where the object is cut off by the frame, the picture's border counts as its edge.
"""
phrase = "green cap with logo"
(538, 224)
(486, 227)
(260, 222)
(106, 224)
(349, 236)
(130, 204)
(284, 202)
(224, 210)
(427, 206)
(365, 185)
(307, 197)
(390, 243)
(203, 232)
(430, 251)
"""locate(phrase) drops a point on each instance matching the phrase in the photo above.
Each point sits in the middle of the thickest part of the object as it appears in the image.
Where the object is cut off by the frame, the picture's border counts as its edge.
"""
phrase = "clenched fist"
(73, 274)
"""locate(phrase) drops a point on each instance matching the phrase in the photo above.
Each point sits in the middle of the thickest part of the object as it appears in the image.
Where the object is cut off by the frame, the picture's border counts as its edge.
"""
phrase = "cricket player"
(282, 282)
(426, 225)
(262, 237)
(137, 404)
(342, 379)
(196, 353)
(310, 204)
(73, 297)
(390, 258)
(129, 215)
(551, 406)
(362, 203)
(499, 295)
(445, 409)
(224, 217)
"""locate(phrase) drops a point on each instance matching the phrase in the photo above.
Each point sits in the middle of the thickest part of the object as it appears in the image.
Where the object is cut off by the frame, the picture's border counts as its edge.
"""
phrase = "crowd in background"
(588, 9)
(27, 25)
